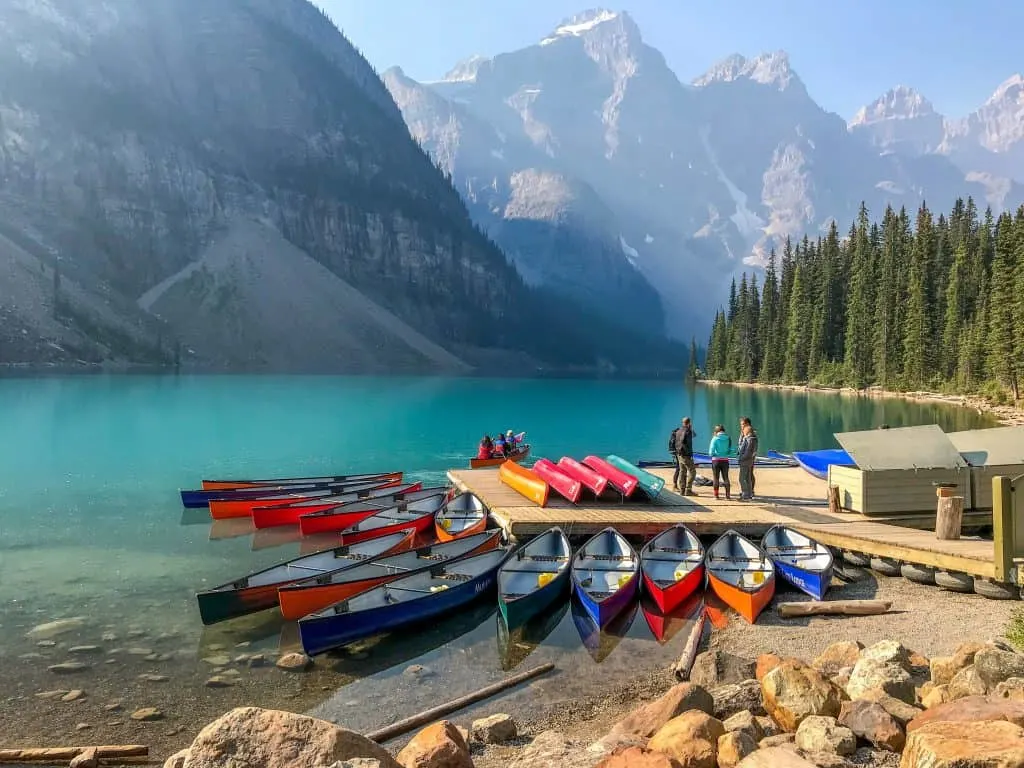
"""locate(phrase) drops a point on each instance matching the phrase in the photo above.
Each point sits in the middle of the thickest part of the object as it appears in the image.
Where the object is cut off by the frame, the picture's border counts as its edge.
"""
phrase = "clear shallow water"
(91, 525)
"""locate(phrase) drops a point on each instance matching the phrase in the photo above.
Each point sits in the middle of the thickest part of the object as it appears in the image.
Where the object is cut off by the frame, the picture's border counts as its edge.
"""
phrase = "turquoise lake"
(91, 526)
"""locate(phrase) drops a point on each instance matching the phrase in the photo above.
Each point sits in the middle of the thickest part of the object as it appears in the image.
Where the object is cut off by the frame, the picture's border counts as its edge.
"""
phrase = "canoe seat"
(618, 558)
(742, 570)
(241, 583)
(795, 548)
(547, 558)
(454, 576)
(677, 550)
(600, 595)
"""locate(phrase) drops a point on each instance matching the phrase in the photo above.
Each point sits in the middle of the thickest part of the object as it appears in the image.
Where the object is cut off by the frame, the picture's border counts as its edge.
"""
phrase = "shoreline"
(1006, 415)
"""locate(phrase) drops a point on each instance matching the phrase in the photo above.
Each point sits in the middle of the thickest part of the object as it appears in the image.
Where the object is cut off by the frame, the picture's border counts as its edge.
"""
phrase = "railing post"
(1002, 527)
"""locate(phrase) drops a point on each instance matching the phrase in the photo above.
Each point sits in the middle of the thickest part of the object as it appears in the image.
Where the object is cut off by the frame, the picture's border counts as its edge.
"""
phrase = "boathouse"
(897, 470)
(989, 452)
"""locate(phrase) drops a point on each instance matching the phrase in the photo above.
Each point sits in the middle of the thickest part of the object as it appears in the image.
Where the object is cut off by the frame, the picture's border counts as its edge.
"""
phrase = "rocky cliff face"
(135, 136)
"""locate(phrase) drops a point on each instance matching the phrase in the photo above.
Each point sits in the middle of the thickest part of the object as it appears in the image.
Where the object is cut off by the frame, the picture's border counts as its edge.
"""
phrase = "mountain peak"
(587, 22)
(770, 68)
(899, 103)
(466, 70)
(1010, 89)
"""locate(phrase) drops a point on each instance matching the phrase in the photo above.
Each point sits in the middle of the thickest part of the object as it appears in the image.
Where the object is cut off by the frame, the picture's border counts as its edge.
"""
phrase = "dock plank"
(786, 496)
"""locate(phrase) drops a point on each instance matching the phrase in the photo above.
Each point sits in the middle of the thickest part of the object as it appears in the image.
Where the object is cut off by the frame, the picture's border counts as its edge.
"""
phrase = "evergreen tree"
(917, 330)
(797, 330)
(857, 352)
(691, 368)
(1001, 347)
(770, 327)
(956, 311)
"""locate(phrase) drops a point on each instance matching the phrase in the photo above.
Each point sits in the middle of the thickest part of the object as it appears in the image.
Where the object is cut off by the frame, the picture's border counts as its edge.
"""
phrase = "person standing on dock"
(720, 448)
(682, 447)
(746, 455)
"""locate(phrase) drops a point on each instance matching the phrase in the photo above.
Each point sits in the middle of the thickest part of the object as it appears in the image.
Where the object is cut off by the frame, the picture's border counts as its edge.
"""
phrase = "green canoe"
(649, 483)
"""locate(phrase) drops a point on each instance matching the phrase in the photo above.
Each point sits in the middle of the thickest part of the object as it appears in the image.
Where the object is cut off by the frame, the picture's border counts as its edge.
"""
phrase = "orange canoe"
(461, 516)
(741, 574)
(524, 481)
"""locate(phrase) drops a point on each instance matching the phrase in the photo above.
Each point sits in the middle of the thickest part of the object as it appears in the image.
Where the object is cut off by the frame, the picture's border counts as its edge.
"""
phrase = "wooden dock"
(788, 496)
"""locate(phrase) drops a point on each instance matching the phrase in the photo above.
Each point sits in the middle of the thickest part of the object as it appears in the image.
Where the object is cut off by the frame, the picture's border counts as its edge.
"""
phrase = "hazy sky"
(848, 52)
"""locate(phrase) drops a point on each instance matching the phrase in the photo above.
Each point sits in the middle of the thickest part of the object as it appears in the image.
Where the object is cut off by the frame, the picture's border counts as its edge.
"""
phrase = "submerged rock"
(56, 628)
(294, 662)
(69, 668)
(147, 714)
(73, 695)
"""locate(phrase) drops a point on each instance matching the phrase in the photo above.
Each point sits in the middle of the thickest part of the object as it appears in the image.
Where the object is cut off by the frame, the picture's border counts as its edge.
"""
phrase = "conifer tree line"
(905, 305)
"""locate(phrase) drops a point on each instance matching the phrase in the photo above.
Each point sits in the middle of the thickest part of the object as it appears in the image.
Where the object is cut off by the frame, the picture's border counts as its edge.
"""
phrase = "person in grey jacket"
(746, 453)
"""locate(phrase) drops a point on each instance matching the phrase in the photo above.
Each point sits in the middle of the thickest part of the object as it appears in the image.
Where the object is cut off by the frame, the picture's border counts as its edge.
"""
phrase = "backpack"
(672, 441)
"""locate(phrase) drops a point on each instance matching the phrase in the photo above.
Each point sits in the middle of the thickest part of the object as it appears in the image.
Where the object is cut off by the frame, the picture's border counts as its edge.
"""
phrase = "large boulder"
(900, 711)
(837, 656)
(869, 674)
(1012, 688)
(495, 729)
(994, 665)
(552, 748)
(887, 652)
(869, 721)
(439, 745)
(249, 737)
(714, 668)
(733, 747)
(966, 682)
(646, 720)
(637, 757)
(739, 697)
(936, 696)
(971, 709)
(766, 662)
(744, 722)
(775, 757)
(965, 745)
(691, 738)
(824, 734)
(793, 691)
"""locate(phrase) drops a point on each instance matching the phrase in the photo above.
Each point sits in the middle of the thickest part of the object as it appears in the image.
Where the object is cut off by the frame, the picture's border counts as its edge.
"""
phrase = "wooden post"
(833, 500)
(1002, 527)
(949, 517)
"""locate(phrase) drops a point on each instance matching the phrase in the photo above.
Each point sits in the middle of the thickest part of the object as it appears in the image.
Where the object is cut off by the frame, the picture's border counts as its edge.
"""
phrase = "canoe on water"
(649, 484)
(741, 574)
(623, 482)
(258, 591)
(818, 462)
(534, 577)
(223, 509)
(800, 560)
(462, 516)
(672, 564)
(272, 514)
(567, 487)
(417, 515)
(337, 518)
(198, 499)
(606, 575)
(407, 600)
(520, 455)
(515, 644)
(591, 480)
(525, 482)
(304, 597)
(222, 485)
(601, 641)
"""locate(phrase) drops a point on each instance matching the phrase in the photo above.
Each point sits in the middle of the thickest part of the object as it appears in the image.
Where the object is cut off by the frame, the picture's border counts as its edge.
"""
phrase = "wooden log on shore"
(949, 517)
(394, 730)
(835, 608)
(685, 663)
(64, 754)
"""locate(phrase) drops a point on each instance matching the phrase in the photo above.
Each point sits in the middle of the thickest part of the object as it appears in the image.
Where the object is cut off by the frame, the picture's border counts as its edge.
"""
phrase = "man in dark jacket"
(686, 470)
(746, 454)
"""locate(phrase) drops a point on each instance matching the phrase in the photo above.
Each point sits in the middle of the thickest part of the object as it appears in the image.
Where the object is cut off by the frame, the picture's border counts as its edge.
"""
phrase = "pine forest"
(901, 304)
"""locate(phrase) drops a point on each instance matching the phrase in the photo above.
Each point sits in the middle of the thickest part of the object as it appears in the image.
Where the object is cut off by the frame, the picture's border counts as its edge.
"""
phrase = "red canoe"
(334, 520)
(621, 481)
(417, 516)
(271, 515)
(224, 509)
(590, 479)
(672, 564)
(568, 487)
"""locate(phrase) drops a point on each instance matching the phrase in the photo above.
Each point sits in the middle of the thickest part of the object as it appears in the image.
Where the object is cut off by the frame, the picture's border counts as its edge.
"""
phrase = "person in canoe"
(681, 446)
(499, 447)
(486, 448)
(746, 455)
(720, 450)
(510, 443)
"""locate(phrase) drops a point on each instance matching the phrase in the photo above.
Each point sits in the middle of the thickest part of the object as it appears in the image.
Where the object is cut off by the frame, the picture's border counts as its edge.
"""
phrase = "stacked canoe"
(593, 476)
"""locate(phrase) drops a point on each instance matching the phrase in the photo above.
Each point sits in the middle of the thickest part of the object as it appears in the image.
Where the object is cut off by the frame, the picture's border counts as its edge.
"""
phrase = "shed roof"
(926, 447)
(998, 446)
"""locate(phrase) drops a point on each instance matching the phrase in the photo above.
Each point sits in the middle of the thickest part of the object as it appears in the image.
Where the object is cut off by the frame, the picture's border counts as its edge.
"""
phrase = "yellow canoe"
(525, 482)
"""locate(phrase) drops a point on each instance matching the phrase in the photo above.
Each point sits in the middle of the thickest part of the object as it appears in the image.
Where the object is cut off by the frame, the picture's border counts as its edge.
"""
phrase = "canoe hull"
(525, 482)
(478, 527)
(566, 486)
(670, 598)
(650, 484)
(197, 499)
(334, 519)
(591, 480)
(623, 482)
(321, 634)
(604, 610)
(487, 463)
(303, 599)
(812, 583)
(520, 609)
(818, 462)
(747, 604)
(222, 485)
(516, 613)
(419, 525)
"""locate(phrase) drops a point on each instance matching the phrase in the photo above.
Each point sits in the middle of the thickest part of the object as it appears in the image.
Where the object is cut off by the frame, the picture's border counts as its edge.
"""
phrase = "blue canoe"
(800, 560)
(407, 600)
(606, 576)
(534, 577)
(649, 483)
(818, 462)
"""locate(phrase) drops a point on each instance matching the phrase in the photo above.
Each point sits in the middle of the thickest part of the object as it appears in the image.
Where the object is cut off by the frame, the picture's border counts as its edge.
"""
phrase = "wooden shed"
(896, 470)
(990, 452)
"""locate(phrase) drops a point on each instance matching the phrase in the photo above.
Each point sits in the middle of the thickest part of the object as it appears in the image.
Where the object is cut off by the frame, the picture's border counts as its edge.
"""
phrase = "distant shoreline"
(1007, 415)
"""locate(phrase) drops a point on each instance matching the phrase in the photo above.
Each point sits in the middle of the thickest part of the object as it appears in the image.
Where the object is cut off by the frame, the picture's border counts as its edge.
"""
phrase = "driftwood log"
(949, 517)
(394, 730)
(64, 754)
(836, 608)
(683, 666)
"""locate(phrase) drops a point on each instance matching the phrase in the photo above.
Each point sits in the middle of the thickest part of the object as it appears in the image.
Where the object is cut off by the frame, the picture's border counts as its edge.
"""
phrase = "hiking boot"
(716, 494)
(727, 496)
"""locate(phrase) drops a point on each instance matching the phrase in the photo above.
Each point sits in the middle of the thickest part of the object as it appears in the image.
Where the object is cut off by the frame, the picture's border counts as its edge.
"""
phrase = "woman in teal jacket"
(720, 450)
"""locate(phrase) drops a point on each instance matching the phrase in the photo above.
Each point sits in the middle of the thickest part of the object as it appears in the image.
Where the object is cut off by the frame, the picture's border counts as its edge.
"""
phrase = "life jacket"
(483, 451)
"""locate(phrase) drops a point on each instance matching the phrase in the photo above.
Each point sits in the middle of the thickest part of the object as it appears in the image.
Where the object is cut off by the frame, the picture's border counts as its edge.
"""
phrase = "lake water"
(91, 527)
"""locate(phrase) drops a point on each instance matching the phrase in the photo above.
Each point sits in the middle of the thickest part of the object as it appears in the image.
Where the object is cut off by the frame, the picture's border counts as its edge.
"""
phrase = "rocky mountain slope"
(232, 182)
(696, 178)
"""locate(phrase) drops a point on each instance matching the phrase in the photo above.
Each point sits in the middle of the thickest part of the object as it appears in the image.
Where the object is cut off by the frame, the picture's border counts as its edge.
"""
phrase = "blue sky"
(848, 52)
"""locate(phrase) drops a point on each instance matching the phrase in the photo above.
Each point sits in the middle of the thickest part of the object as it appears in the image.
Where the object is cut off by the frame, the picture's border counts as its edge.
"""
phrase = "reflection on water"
(666, 626)
(600, 643)
(515, 646)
